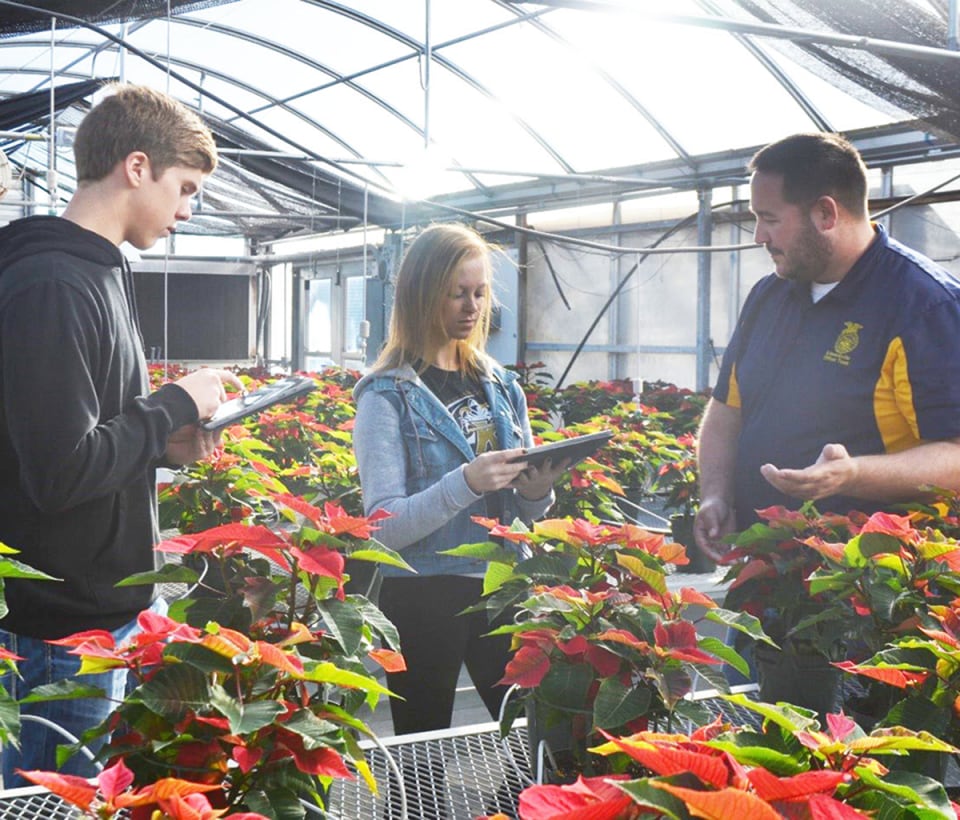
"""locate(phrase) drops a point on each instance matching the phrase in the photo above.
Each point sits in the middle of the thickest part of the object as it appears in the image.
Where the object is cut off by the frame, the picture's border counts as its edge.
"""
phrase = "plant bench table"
(34, 803)
(456, 774)
(460, 773)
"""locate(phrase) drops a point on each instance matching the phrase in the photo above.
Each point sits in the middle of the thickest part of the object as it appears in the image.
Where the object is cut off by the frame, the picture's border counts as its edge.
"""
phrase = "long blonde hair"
(425, 279)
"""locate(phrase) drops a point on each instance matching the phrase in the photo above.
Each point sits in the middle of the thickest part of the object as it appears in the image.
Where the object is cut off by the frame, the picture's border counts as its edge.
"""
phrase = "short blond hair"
(138, 118)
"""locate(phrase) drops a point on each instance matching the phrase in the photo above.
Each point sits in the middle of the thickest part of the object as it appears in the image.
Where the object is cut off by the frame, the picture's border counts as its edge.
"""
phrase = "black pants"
(435, 641)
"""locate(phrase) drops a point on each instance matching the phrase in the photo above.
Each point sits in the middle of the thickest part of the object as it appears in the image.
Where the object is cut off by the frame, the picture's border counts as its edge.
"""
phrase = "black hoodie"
(79, 435)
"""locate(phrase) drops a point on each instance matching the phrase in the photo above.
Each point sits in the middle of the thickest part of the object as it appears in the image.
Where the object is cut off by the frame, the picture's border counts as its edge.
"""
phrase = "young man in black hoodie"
(81, 434)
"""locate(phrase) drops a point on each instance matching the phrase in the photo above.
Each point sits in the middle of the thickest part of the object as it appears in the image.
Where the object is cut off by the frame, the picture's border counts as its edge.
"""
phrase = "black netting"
(924, 87)
(15, 19)
(33, 108)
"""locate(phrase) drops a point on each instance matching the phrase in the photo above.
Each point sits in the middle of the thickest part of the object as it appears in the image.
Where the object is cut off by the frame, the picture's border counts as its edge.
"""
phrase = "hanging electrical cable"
(683, 223)
(553, 273)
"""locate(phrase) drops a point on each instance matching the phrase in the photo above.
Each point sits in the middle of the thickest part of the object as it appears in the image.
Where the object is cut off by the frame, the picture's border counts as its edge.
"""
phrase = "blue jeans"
(44, 663)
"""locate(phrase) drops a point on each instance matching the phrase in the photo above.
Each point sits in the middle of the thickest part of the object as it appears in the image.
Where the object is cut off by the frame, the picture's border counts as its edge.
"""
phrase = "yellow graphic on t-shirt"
(846, 343)
(476, 422)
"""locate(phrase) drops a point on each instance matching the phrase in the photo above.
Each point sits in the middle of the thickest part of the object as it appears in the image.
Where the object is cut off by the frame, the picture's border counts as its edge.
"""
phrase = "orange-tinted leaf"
(822, 807)
(591, 798)
(526, 668)
(276, 657)
(894, 677)
(391, 661)
(669, 760)
(723, 804)
(74, 790)
(691, 596)
(799, 787)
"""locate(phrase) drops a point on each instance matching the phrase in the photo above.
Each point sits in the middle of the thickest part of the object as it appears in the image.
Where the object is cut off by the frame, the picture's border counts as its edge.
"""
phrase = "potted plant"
(600, 642)
(677, 484)
(789, 767)
(254, 686)
(770, 568)
(112, 794)
(11, 567)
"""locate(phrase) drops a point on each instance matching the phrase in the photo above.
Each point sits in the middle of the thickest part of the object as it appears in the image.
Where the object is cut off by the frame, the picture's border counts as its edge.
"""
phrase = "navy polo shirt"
(874, 365)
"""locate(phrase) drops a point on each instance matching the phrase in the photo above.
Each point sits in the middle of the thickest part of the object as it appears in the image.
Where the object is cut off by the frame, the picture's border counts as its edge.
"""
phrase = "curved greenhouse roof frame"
(332, 114)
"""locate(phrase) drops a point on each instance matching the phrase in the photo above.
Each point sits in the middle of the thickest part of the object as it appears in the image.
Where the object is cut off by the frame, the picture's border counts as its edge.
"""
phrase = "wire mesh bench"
(453, 774)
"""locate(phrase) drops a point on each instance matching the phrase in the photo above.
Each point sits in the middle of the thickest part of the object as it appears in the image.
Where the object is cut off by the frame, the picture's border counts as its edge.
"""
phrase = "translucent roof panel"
(482, 102)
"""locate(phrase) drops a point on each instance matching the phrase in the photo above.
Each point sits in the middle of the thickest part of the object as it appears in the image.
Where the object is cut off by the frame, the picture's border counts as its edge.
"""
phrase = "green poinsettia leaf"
(779, 763)
(554, 566)
(175, 690)
(647, 795)
(791, 718)
(12, 568)
(380, 554)
(484, 551)
(280, 801)
(377, 621)
(346, 718)
(63, 690)
(244, 717)
(206, 660)
(565, 687)
(326, 672)
(315, 731)
(675, 683)
(920, 714)
(9, 720)
(496, 576)
(869, 544)
(345, 622)
(199, 611)
(719, 649)
(911, 787)
(695, 711)
(741, 621)
(167, 574)
(617, 704)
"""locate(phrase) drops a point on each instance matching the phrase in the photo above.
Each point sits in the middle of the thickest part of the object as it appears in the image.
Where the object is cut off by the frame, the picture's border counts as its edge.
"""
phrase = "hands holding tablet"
(207, 389)
(532, 472)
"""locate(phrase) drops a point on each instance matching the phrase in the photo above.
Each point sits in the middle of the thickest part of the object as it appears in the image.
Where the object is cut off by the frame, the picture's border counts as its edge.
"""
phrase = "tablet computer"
(282, 390)
(575, 449)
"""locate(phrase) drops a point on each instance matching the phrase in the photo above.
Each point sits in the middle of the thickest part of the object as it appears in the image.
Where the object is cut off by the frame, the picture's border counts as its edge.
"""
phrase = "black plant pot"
(558, 740)
(804, 679)
(681, 530)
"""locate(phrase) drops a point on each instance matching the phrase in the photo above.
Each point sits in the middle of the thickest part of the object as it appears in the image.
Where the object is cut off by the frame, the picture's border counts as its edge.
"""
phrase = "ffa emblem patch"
(845, 344)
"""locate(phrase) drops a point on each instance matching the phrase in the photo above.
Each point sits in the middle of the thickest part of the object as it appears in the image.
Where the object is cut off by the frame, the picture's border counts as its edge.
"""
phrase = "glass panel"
(353, 311)
(319, 313)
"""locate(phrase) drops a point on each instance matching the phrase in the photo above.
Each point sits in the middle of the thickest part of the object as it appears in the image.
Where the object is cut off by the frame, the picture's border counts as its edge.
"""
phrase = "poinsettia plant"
(770, 568)
(303, 448)
(11, 567)
(112, 795)
(918, 675)
(252, 682)
(599, 640)
(789, 767)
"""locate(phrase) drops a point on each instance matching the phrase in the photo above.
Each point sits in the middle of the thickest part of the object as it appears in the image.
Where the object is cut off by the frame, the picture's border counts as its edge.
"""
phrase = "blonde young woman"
(438, 424)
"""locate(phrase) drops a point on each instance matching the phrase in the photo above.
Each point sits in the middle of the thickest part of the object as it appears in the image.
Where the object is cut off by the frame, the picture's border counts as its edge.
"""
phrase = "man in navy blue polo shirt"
(841, 383)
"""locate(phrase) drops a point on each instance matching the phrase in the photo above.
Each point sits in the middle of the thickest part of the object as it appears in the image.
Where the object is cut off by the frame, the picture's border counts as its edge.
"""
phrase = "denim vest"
(434, 445)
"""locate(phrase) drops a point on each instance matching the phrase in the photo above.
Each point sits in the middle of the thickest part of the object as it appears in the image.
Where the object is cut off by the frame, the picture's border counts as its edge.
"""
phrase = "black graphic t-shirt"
(466, 402)
(464, 398)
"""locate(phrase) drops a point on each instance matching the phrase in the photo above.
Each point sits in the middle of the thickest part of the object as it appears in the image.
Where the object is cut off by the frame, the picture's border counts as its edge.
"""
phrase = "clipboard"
(278, 392)
(576, 449)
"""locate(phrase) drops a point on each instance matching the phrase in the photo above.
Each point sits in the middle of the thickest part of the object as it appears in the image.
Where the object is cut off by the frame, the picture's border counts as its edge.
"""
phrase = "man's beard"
(808, 259)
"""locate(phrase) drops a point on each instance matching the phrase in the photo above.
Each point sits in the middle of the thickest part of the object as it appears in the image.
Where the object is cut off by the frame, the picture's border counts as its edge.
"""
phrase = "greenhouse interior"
(602, 152)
